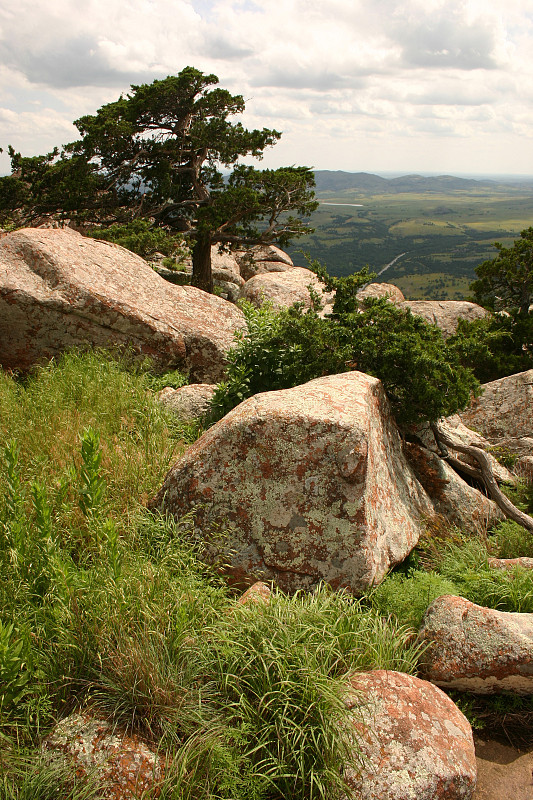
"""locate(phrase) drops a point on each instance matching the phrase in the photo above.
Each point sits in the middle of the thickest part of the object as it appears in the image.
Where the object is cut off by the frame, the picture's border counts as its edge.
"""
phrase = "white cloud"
(348, 81)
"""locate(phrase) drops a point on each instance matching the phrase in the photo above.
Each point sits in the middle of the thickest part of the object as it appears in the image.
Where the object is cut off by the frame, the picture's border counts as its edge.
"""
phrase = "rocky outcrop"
(504, 410)
(123, 765)
(476, 649)
(415, 745)
(189, 402)
(453, 498)
(60, 290)
(386, 290)
(308, 483)
(226, 274)
(283, 289)
(262, 258)
(446, 313)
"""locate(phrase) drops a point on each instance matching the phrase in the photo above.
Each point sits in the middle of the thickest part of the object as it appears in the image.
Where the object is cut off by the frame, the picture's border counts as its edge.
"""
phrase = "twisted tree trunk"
(485, 475)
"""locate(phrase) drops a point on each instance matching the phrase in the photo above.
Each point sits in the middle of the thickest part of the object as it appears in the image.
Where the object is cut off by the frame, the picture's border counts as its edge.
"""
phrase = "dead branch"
(486, 474)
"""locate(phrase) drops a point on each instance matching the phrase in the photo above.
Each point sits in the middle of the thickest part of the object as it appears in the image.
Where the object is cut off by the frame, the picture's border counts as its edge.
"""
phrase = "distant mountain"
(336, 181)
(330, 181)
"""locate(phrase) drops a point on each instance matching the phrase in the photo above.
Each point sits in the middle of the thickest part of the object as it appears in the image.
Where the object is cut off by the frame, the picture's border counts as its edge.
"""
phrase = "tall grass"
(104, 604)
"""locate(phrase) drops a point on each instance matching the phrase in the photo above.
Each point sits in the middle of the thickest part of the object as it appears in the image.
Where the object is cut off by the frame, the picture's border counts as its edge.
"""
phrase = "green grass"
(102, 603)
(453, 563)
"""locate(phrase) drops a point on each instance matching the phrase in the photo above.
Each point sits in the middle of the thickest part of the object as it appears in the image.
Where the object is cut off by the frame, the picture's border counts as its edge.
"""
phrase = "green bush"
(422, 376)
(494, 347)
(142, 237)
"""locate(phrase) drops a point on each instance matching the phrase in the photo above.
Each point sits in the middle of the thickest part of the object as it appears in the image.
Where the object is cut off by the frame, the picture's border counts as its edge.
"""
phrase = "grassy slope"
(103, 604)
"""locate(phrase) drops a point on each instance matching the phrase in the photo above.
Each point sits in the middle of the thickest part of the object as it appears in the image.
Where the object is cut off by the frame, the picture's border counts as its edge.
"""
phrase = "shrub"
(142, 237)
(423, 378)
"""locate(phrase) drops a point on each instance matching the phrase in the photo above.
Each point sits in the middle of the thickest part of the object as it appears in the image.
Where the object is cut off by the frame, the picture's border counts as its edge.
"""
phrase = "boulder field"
(312, 484)
(60, 290)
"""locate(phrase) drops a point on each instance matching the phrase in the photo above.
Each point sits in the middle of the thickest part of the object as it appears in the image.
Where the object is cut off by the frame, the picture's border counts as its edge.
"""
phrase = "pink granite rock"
(124, 766)
(261, 259)
(510, 563)
(387, 290)
(453, 498)
(259, 592)
(504, 410)
(445, 313)
(477, 649)
(60, 290)
(189, 402)
(415, 743)
(283, 289)
(308, 484)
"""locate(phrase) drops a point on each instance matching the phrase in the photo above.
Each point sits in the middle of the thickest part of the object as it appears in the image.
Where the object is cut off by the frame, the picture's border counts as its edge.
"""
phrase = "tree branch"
(503, 502)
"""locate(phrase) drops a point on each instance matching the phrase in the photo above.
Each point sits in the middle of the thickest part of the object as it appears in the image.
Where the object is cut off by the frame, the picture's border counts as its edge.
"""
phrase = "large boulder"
(477, 649)
(386, 290)
(504, 410)
(262, 258)
(283, 289)
(453, 499)
(60, 290)
(415, 743)
(307, 484)
(446, 313)
(124, 766)
(187, 403)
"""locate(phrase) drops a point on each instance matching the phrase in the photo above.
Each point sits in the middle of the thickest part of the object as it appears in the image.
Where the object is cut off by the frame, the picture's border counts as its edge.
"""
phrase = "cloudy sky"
(362, 85)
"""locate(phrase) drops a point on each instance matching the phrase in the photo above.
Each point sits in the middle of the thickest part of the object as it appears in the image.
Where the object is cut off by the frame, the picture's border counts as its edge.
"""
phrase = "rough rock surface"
(259, 592)
(123, 764)
(446, 313)
(226, 274)
(477, 649)
(456, 430)
(310, 483)
(504, 410)
(511, 563)
(387, 290)
(283, 289)
(459, 503)
(59, 290)
(417, 744)
(189, 402)
(261, 259)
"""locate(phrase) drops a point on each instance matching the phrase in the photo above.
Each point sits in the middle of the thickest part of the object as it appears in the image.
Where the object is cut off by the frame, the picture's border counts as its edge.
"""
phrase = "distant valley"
(436, 230)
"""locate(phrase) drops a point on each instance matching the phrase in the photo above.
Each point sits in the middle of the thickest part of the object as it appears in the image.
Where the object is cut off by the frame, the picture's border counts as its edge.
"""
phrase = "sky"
(425, 86)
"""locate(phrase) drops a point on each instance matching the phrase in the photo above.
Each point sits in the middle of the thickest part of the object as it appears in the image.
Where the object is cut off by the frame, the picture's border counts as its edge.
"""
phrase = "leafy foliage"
(422, 375)
(494, 347)
(143, 237)
(156, 155)
(505, 283)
